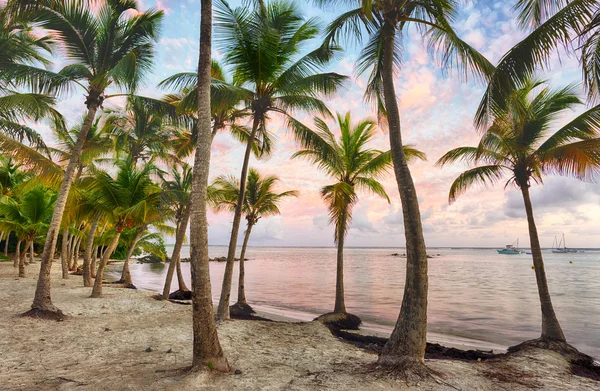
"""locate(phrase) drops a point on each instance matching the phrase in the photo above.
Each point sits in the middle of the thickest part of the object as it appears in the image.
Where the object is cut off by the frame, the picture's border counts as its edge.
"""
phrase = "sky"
(436, 109)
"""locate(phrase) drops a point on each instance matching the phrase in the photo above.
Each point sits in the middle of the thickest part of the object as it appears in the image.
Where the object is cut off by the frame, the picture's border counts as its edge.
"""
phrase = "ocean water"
(474, 294)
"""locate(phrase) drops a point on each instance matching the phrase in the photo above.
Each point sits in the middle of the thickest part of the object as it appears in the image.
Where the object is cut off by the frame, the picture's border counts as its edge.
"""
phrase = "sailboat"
(511, 249)
(560, 247)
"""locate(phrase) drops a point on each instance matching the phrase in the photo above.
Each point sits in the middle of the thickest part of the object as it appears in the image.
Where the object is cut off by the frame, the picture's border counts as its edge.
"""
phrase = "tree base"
(130, 286)
(218, 364)
(54, 314)
(239, 310)
(340, 320)
(181, 295)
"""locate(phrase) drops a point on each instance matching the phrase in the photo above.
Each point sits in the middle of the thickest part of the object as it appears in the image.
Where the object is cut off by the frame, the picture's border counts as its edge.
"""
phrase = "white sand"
(80, 354)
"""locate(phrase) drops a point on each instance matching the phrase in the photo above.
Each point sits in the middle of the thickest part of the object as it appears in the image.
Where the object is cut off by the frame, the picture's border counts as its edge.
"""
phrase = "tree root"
(241, 310)
(54, 314)
(217, 364)
(340, 320)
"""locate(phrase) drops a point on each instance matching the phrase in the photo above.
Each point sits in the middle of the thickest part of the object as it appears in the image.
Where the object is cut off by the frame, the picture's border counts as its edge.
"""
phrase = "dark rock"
(181, 295)
(130, 286)
(170, 351)
(341, 321)
(150, 258)
(238, 372)
(224, 259)
(149, 349)
(106, 329)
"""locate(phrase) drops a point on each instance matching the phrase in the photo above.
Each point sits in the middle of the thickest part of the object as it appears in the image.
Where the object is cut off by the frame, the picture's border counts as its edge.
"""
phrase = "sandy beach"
(129, 341)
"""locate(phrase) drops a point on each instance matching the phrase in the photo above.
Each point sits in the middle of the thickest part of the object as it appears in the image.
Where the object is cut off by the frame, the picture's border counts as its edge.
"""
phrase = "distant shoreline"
(389, 248)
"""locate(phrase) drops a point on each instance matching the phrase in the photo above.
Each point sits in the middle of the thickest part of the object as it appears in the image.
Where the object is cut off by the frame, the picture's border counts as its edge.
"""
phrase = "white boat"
(511, 249)
(560, 246)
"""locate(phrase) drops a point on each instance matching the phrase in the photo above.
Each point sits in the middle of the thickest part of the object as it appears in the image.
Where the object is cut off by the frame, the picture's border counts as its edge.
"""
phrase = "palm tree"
(384, 21)
(520, 143)
(260, 200)
(139, 131)
(177, 190)
(127, 199)
(262, 44)
(11, 176)
(140, 238)
(112, 46)
(554, 24)
(207, 351)
(20, 46)
(354, 167)
(28, 215)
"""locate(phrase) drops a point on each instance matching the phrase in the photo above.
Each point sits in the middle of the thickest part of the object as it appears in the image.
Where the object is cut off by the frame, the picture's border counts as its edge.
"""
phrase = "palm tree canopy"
(348, 161)
(105, 42)
(262, 43)
(432, 18)
(555, 24)
(130, 198)
(28, 214)
(260, 198)
(523, 143)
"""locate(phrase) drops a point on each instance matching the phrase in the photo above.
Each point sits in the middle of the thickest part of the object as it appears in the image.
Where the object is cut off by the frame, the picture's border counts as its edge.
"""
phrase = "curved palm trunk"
(70, 251)
(408, 340)
(207, 351)
(340, 305)
(6, 244)
(31, 254)
(180, 280)
(551, 329)
(22, 258)
(42, 301)
(17, 257)
(97, 289)
(87, 255)
(93, 261)
(126, 274)
(64, 254)
(223, 310)
(76, 255)
(241, 281)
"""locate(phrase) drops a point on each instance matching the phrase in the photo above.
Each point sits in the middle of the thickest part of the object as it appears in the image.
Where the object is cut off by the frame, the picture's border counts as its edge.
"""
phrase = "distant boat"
(560, 247)
(511, 249)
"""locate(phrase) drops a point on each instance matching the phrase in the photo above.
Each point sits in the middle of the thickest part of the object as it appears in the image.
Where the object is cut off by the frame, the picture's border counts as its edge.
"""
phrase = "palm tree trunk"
(6, 244)
(223, 310)
(42, 301)
(93, 261)
(175, 256)
(87, 255)
(22, 258)
(241, 288)
(551, 329)
(17, 257)
(64, 254)
(207, 351)
(97, 289)
(340, 305)
(408, 340)
(126, 274)
(31, 254)
(180, 280)
(76, 254)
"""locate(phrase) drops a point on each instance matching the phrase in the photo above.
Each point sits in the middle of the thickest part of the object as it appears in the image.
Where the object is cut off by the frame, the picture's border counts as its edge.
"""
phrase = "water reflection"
(473, 293)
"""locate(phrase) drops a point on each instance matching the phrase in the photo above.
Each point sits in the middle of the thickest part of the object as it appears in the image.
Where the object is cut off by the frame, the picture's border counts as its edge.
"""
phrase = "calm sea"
(476, 296)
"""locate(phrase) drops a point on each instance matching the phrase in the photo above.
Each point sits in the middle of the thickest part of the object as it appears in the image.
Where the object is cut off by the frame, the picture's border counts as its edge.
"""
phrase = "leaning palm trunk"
(241, 282)
(17, 257)
(175, 256)
(551, 329)
(180, 280)
(97, 290)
(207, 351)
(31, 254)
(408, 340)
(126, 274)
(42, 302)
(6, 244)
(93, 261)
(22, 258)
(223, 310)
(87, 255)
(340, 305)
(76, 255)
(64, 253)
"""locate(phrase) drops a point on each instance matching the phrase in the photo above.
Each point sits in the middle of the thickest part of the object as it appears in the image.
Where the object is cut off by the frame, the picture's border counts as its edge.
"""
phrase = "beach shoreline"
(128, 340)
